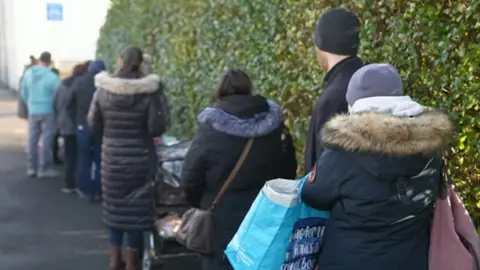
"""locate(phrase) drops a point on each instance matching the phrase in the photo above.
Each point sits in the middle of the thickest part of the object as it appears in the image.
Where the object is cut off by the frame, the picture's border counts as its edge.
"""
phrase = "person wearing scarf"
(379, 176)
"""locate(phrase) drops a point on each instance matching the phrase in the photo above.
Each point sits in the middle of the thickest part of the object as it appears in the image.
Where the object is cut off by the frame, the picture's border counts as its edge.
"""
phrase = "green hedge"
(434, 43)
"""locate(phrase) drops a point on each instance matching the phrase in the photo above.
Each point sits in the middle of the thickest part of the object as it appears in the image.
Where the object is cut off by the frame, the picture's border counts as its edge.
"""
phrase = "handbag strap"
(233, 173)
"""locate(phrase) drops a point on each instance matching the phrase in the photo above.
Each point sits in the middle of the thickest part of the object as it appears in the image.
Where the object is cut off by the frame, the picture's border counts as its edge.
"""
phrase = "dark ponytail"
(131, 62)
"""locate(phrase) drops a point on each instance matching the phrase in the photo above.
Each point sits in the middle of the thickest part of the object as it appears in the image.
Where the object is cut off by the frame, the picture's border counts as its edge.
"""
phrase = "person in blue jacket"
(379, 176)
(37, 88)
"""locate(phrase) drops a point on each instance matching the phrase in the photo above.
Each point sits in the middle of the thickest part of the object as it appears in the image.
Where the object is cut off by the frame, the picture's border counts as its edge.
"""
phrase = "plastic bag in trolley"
(169, 183)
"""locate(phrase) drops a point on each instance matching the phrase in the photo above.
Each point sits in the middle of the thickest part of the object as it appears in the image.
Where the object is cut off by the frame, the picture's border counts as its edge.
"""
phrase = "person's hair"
(46, 58)
(233, 82)
(33, 60)
(87, 63)
(79, 70)
(131, 62)
(56, 71)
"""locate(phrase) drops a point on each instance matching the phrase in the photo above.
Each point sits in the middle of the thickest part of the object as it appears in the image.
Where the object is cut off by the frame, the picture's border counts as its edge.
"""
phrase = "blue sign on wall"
(54, 12)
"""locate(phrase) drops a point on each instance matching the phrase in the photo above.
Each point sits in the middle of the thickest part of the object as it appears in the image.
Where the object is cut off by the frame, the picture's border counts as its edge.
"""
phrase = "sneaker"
(48, 174)
(81, 195)
(69, 190)
(31, 173)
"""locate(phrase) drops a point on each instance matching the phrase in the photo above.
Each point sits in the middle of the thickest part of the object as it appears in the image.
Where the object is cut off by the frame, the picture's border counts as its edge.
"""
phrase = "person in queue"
(236, 116)
(22, 106)
(56, 139)
(37, 88)
(337, 41)
(126, 112)
(88, 144)
(65, 118)
(147, 68)
(379, 176)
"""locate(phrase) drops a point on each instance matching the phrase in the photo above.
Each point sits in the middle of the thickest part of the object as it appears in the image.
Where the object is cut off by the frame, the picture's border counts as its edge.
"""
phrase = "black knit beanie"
(338, 32)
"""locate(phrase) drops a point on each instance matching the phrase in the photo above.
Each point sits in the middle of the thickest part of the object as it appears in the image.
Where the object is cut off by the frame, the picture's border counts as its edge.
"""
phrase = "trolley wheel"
(152, 249)
(149, 262)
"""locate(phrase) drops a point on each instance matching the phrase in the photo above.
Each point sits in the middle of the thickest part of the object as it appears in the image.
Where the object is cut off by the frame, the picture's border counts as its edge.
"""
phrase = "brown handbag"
(196, 231)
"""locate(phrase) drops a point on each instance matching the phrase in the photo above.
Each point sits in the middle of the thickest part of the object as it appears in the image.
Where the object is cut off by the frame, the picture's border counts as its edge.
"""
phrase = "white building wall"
(26, 31)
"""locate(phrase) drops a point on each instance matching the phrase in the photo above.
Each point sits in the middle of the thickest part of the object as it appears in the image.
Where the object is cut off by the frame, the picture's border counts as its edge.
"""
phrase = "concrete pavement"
(41, 228)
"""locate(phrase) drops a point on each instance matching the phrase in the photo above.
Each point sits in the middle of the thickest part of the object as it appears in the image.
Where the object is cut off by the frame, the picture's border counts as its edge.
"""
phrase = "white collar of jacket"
(147, 84)
(381, 131)
(398, 106)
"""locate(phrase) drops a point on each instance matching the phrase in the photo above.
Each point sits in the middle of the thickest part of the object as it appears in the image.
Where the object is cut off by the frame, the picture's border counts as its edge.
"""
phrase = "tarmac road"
(41, 228)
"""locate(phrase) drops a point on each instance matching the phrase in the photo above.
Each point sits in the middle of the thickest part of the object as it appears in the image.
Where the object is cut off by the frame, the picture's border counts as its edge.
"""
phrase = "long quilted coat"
(127, 112)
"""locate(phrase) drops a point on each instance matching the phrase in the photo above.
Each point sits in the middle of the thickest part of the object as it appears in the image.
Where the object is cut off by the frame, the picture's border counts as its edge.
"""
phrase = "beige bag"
(196, 230)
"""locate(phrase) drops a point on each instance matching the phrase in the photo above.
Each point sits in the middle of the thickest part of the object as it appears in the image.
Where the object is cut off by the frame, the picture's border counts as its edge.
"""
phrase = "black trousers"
(55, 149)
(70, 143)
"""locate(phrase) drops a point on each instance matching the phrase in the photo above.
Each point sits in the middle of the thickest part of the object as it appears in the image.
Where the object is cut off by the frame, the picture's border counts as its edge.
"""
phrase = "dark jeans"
(134, 239)
(55, 149)
(89, 155)
(70, 145)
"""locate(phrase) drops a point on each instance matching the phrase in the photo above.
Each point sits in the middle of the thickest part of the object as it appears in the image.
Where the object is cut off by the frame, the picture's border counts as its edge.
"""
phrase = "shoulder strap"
(233, 173)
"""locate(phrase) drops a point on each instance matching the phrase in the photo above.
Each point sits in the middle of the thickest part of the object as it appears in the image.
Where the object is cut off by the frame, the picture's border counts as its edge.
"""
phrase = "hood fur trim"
(387, 134)
(147, 84)
(259, 125)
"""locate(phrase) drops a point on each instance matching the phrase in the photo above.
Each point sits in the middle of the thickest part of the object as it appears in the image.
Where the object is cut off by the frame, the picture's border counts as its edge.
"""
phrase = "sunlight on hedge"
(434, 43)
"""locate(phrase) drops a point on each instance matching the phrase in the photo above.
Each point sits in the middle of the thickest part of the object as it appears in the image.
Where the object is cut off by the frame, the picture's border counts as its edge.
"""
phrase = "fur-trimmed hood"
(147, 84)
(383, 133)
(243, 116)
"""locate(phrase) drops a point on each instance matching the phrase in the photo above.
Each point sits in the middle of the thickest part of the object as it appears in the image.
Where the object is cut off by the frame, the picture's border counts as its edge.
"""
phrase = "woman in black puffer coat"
(224, 129)
(127, 112)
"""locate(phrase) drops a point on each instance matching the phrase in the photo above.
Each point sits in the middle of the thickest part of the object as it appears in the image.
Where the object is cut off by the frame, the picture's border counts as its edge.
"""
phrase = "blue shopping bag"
(278, 232)
(305, 240)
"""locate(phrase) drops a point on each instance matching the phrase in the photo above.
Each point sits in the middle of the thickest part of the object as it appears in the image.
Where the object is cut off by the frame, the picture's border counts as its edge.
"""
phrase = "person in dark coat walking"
(126, 110)
(65, 118)
(379, 176)
(337, 41)
(88, 144)
(223, 132)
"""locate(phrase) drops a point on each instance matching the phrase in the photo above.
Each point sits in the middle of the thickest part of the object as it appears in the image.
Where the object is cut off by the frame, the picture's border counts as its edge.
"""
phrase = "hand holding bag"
(196, 230)
(279, 231)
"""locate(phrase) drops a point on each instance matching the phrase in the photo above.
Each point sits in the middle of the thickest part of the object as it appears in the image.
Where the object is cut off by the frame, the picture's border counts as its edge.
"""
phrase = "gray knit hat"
(374, 80)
